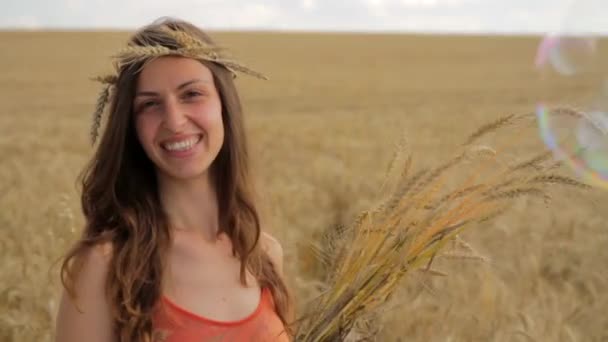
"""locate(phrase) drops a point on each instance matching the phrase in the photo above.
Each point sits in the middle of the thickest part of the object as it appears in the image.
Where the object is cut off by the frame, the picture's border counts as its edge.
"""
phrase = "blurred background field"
(322, 132)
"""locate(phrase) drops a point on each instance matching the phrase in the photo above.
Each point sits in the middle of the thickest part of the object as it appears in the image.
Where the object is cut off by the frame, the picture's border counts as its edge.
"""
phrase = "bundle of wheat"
(413, 223)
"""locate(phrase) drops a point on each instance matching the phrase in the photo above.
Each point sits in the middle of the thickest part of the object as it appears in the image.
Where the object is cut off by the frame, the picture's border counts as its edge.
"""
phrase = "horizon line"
(50, 29)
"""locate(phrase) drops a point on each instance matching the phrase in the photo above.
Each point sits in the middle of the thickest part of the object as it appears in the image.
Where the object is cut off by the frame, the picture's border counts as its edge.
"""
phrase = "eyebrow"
(181, 86)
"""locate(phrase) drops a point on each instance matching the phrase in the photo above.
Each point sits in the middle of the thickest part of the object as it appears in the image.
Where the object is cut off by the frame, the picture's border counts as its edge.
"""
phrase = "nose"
(174, 118)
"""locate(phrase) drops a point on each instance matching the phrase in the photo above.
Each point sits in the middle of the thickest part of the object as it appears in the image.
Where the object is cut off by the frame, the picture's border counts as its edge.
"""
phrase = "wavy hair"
(121, 205)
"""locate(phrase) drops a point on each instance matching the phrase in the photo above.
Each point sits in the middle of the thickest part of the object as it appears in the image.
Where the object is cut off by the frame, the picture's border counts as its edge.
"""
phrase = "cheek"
(218, 124)
(210, 116)
(146, 129)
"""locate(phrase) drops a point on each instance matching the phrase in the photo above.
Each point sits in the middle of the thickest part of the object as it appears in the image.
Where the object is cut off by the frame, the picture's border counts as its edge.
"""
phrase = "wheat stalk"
(534, 162)
(99, 108)
(234, 66)
(558, 179)
(135, 54)
(186, 40)
(106, 79)
(490, 127)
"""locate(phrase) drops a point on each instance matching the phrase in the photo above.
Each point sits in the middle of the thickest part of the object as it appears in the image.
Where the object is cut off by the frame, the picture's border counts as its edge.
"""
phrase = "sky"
(449, 16)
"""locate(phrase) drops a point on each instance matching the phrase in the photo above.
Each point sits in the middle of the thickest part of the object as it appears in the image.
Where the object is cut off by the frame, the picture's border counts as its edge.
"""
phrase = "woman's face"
(178, 116)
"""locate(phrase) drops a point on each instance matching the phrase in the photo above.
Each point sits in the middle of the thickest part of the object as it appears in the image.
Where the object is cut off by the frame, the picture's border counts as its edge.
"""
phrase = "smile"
(182, 145)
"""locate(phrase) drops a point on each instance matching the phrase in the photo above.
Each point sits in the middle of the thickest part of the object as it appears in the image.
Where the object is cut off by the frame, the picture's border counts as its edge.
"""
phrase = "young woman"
(172, 248)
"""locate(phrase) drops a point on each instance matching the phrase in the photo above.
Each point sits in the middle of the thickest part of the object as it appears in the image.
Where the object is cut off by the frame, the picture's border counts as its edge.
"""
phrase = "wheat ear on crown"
(188, 46)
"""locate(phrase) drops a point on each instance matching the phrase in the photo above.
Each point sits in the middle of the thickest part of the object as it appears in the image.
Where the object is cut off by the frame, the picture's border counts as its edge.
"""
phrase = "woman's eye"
(148, 104)
(191, 94)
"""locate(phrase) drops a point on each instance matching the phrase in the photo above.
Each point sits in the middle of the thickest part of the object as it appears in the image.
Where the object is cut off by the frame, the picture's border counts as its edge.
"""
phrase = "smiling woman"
(172, 249)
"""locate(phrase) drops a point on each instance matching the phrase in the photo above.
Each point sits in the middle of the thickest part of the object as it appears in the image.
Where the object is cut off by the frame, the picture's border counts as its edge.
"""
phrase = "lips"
(180, 144)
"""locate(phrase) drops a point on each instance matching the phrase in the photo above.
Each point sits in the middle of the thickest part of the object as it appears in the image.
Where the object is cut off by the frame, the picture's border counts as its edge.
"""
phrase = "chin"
(186, 174)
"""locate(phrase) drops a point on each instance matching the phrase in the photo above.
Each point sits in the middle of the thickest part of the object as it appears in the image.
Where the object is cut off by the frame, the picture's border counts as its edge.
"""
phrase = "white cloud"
(209, 14)
(446, 23)
(73, 4)
(358, 15)
(256, 15)
(28, 22)
(375, 4)
(308, 4)
(377, 8)
(436, 3)
(416, 3)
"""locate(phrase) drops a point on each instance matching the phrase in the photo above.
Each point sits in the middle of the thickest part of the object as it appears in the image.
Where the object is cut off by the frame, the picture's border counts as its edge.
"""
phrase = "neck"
(191, 204)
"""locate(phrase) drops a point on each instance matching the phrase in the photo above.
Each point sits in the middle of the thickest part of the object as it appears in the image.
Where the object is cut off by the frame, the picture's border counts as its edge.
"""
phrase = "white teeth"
(183, 145)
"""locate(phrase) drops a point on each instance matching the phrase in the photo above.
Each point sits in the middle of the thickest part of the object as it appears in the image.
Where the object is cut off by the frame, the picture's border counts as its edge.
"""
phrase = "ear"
(274, 250)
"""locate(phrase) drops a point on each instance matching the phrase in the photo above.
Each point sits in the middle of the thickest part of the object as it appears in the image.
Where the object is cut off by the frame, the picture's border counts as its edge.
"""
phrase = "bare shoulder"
(89, 310)
(94, 263)
(273, 247)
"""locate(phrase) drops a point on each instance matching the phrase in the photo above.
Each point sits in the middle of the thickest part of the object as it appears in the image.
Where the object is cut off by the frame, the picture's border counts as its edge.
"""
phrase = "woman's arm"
(87, 318)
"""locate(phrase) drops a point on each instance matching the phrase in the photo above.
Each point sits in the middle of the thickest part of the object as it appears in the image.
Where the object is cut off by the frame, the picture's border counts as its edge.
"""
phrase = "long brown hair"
(121, 204)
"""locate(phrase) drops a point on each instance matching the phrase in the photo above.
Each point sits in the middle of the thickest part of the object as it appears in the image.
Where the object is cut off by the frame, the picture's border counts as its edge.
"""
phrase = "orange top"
(175, 324)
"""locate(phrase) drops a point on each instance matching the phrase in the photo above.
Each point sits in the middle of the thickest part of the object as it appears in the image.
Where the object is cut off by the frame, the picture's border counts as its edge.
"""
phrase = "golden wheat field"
(322, 132)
